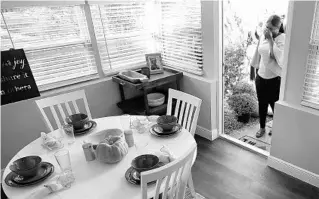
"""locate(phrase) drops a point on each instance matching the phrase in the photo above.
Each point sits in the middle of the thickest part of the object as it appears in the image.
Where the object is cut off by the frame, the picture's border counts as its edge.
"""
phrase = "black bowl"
(145, 162)
(26, 166)
(77, 120)
(167, 122)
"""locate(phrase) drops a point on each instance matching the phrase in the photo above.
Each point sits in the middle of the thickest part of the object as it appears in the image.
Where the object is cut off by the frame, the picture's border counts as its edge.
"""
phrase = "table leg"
(122, 92)
(147, 109)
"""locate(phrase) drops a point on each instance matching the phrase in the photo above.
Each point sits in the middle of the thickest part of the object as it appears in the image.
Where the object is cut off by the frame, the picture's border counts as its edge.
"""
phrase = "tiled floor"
(250, 131)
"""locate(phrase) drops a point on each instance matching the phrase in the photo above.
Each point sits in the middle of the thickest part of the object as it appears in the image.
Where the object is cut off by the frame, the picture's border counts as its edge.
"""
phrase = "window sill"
(300, 108)
(108, 77)
(74, 86)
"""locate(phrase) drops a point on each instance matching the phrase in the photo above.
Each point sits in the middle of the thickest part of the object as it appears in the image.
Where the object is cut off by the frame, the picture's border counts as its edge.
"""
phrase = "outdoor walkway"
(248, 134)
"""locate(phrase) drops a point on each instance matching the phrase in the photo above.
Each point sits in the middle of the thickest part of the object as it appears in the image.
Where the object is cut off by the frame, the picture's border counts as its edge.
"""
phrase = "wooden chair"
(59, 101)
(171, 179)
(186, 109)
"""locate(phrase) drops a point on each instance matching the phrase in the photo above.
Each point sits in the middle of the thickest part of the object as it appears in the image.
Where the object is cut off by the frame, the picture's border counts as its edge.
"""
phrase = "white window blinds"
(55, 40)
(311, 85)
(122, 35)
(181, 35)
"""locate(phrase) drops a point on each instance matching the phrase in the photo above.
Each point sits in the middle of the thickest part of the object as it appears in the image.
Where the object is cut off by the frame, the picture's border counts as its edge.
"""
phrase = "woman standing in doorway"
(268, 60)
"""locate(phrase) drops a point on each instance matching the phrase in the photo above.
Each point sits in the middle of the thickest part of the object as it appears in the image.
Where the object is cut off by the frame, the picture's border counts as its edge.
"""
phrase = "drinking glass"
(69, 132)
(140, 124)
(125, 122)
(64, 161)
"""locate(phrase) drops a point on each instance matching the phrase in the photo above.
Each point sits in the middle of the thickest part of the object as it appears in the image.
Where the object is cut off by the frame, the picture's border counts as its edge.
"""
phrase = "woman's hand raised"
(268, 34)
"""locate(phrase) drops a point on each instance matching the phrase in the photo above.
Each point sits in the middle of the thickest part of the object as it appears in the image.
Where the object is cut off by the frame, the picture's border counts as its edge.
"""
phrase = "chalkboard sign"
(17, 82)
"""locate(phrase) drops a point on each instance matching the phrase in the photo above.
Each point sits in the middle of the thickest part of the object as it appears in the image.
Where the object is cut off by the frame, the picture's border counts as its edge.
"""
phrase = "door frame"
(218, 37)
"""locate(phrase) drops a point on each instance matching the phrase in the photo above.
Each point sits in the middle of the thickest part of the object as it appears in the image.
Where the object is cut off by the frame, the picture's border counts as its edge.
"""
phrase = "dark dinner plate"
(131, 176)
(14, 180)
(90, 125)
(158, 131)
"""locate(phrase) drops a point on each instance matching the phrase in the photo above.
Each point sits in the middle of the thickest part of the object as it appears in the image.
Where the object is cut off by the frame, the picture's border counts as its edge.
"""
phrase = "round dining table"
(94, 179)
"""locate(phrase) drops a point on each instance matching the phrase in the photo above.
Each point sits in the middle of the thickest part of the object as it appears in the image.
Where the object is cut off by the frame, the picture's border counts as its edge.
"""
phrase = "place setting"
(165, 126)
(80, 123)
(28, 170)
(147, 161)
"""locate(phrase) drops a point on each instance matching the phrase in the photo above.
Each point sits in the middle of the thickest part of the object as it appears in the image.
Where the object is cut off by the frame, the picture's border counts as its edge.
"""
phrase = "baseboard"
(205, 133)
(294, 171)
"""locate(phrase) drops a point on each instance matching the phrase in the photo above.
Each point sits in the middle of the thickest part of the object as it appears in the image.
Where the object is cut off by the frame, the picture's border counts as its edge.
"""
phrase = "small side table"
(139, 105)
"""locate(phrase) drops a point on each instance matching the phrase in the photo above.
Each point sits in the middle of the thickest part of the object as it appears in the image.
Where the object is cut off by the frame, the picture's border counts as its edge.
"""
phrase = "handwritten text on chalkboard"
(17, 82)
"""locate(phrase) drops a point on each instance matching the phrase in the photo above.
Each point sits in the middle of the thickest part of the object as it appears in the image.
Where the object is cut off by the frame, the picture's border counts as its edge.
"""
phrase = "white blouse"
(268, 67)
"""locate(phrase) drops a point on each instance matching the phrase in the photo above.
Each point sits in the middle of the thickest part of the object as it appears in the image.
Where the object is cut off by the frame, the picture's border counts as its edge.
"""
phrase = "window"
(121, 34)
(67, 44)
(56, 42)
(181, 36)
(311, 85)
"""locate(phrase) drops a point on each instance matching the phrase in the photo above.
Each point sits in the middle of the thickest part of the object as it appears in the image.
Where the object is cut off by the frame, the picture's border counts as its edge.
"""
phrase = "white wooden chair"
(186, 109)
(171, 179)
(59, 101)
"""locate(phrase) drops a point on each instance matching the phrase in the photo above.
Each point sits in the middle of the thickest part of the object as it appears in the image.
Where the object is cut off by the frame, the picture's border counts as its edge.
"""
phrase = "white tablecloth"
(95, 179)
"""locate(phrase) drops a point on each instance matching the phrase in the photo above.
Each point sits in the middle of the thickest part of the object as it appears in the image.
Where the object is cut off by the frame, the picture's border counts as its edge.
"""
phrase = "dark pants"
(267, 93)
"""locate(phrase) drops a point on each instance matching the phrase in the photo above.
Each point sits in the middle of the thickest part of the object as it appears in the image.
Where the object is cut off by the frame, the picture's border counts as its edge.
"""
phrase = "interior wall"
(296, 136)
(295, 128)
(201, 90)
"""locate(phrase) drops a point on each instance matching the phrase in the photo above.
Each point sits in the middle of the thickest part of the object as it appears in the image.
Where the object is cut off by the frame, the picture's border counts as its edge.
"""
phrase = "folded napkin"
(57, 183)
(46, 190)
(49, 141)
(165, 155)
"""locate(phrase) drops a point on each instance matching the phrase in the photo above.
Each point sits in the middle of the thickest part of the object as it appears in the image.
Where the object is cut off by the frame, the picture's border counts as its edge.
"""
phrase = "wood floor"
(225, 171)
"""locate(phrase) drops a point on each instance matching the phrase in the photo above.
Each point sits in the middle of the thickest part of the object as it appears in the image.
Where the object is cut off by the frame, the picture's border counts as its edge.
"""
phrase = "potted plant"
(243, 105)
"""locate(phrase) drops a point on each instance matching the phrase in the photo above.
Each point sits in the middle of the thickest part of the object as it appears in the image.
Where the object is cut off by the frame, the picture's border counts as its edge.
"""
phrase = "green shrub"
(244, 87)
(242, 104)
(230, 120)
(233, 65)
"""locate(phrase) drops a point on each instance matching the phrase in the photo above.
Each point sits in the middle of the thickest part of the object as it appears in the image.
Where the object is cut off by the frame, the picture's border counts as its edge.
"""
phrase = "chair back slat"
(173, 187)
(169, 107)
(189, 119)
(181, 113)
(61, 112)
(46, 119)
(59, 101)
(188, 112)
(55, 116)
(158, 186)
(168, 179)
(176, 107)
(75, 106)
(186, 116)
(68, 109)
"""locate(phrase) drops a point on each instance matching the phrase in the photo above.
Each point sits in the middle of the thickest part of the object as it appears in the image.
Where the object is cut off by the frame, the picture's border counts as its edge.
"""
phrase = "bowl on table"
(78, 120)
(26, 166)
(144, 163)
(167, 122)
(155, 99)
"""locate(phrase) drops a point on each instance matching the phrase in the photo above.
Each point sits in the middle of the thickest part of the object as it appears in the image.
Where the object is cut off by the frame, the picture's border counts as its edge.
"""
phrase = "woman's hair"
(275, 20)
